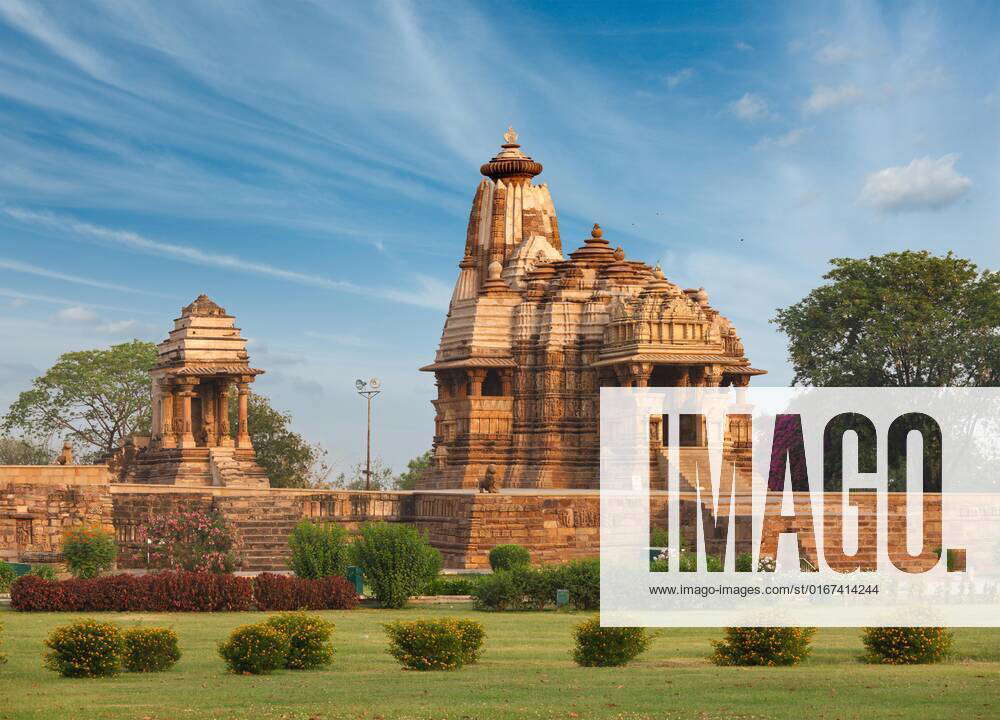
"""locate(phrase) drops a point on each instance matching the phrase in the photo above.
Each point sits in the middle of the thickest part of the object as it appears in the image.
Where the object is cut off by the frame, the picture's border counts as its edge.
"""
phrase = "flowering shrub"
(89, 551)
(598, 646)
(308, 636)
(285, 592)
(906, 645)
(85, 648)
(160, 592)
(6, 576)
(763, 646)
(397, 560)
(443, 644)
(507, 557)
(255, 649)
(192, 541)
(149, 649)
(319, 550)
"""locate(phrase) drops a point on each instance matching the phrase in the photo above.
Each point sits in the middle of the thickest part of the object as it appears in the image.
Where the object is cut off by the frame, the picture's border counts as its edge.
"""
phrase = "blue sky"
(310, 165)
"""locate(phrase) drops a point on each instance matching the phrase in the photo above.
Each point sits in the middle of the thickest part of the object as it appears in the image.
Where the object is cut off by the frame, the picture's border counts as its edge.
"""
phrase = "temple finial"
(510, 136)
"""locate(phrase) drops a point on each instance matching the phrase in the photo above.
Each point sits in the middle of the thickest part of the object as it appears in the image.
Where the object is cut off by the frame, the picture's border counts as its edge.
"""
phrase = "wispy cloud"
(924, 184)
(835, 53)
(19, 298)
(788, 139)
(750, 107)
(743, 46)
(427, 294)
(22, 267)
(825, 97)
(677, 78)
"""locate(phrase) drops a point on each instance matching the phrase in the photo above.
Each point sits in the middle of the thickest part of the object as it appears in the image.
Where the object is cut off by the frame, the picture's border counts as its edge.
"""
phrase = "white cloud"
(428, 293)
(17, 266)
(924, 184)
(750, 107)
(681, 76)
(118, 327)
(792, 137)
(825, 97)
(17, 303)
(834, 53)
(77, 315)
(743, 47)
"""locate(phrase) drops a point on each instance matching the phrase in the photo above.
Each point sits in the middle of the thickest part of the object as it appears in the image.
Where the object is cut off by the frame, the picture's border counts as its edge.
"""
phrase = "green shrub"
(255, 649)
(397, 560)
(308, 636)
(47, 572)
(507, 557)
(583, 580)
(688, 562)
(659, 538)
(452, 585)
(89, 551)
(598, 646)
(319, 550)
(85, 648)
(906, 645)
(7, 576)
(763, 646)
(744, 562)
(152, 649)
(443, 644)
(520, 588)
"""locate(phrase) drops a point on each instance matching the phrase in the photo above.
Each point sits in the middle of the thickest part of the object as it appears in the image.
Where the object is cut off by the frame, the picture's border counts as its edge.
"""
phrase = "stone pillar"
(639, 374)
(186, 439)
(167, 437)
(476, 378)
(507, 382)
(225, 433)
(713, 376)
(243, 430)
(208, 422)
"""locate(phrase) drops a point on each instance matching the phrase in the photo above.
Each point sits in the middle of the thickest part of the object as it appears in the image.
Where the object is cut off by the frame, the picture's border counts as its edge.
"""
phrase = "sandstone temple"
(532, 335)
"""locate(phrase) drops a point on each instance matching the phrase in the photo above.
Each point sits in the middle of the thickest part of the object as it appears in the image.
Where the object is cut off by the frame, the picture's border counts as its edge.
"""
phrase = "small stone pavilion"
(532, 335)
(202, 362)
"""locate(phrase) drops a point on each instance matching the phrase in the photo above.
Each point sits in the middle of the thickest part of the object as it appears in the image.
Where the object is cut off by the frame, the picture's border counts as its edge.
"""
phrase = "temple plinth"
(199, 366)
(532, 335)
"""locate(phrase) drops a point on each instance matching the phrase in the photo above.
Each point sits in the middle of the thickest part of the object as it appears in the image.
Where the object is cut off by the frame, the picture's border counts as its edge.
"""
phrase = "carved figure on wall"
(489, 483)
(66, 456)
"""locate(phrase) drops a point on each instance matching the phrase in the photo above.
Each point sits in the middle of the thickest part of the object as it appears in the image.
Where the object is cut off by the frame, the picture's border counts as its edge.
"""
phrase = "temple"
(532, 335)
(191, 442)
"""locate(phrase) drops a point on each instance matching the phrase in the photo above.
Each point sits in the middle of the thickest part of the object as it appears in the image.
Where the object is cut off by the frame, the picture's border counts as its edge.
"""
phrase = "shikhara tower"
(531, 336)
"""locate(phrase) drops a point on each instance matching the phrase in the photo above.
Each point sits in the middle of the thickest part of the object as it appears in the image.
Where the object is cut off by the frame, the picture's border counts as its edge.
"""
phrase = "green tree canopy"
(382, 477)
(21, 451)
(96, 397)
(415, 470)
(286, 457)
(897, 320)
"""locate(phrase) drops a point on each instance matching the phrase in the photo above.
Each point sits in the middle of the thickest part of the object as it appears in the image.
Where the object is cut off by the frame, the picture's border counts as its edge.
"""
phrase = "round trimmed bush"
(85, 648)
(508, 557)
(906, 645)
(149, 649)
(255, 649)
(770, 646)
(397, 560)
(598, 646)
(308, 636)
(443, 644)
(89, 551)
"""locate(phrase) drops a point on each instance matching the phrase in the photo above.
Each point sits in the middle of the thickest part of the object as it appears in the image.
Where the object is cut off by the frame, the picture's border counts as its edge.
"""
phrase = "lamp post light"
(368, 390)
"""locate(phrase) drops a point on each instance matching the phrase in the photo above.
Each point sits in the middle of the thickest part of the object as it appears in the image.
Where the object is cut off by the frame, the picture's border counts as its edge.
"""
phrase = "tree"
(97, 397)
(897, 320)
(286, 457)
(415, 470)
(381, 477)
(20, 451)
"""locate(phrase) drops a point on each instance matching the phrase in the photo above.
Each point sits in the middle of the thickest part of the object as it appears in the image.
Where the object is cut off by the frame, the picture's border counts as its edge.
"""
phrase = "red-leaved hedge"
(180, 592)
(287, 592)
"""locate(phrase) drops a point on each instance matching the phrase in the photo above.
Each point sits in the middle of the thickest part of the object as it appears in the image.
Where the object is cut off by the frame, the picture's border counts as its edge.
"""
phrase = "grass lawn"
(525, 672)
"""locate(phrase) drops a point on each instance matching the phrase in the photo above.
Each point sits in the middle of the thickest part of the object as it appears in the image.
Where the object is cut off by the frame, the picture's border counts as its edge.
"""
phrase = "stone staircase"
(264, 525)
(226, 470)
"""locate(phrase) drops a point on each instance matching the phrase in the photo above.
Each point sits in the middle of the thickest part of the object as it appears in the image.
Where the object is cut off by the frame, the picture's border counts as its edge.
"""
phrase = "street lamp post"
(368, 390)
